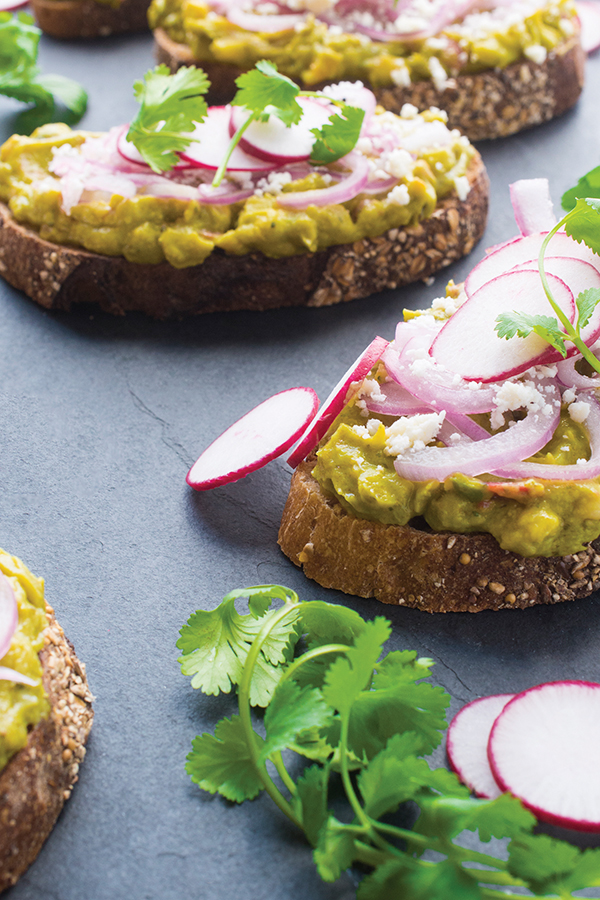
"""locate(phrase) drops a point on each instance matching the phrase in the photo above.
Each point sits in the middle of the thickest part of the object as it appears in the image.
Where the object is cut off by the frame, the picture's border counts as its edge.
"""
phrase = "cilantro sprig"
(53, 97)
(582, 223)
(332, 698)
(170, 107)
(266, 92)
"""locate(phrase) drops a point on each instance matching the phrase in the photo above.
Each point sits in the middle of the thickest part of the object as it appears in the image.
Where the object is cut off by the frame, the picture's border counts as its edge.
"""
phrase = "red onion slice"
(9, 614)
(224, 194)
(578, 472)
(345, 190)
(267, 24)
(517, 443)
(7, 674)
(532, 205)
(396, 402)
(570, 377)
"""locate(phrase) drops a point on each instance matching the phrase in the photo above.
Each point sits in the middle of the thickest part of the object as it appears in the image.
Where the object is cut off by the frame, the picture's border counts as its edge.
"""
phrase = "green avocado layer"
(21, 706)
(533, 518)
(147, 229)
(314, 53)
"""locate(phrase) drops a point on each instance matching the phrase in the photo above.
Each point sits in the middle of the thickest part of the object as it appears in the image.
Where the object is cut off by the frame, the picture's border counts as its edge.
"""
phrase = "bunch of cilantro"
(54, 97)
(332, 700)
(171, 105)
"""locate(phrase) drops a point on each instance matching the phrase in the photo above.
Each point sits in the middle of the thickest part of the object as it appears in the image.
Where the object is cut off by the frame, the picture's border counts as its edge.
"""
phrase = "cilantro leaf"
(338, 136)
(448, 816)
(215, 644)
(335, 849)
(349, 675)
(325, 623)
(587, 186)
(311, 801)
(443, 881)
(292, 711)
(266, 91)
(222, 763)
(587, 302)
(170, 107)
(509, 325)
(583, 223)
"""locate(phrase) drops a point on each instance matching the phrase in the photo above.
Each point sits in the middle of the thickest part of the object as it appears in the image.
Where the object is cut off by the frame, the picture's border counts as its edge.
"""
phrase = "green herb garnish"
(588, 186)
(170, 106)
(368, 720)
(582, 223)
(20, 77)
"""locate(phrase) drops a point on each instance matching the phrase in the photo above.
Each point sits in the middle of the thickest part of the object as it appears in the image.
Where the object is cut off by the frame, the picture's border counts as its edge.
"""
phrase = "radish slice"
(131, 153)
(261, 435)
(7, 5)
(468, 736)
(525, 249)
(275, 142)
(468, 343)
(9, 614)
(346, 387)
(589, 16)
(7, 674)
(532, 205)
(353, 93)
(211, 140)
(543, 748)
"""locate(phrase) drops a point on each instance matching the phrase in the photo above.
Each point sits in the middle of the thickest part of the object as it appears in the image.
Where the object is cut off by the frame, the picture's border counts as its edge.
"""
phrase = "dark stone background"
(101, 418)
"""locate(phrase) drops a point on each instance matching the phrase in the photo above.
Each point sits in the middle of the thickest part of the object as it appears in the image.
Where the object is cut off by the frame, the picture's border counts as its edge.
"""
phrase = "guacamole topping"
(313, 51)
(43, 181)
(22, 706)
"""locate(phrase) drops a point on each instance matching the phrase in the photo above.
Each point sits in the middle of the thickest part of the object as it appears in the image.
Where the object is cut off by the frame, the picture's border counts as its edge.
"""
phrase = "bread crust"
(59, 277)
(486, 105)
(40, 777)
(75, 19)
(407, 566)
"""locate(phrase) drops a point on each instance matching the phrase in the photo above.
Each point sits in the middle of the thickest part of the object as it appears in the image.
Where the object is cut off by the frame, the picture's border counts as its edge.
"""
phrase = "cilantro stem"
(313, 654)
(283, 773)
(231, 147)
(245, 717)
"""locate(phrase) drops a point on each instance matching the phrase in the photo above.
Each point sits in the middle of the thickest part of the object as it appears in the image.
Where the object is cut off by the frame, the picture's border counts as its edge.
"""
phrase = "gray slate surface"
(101, 419)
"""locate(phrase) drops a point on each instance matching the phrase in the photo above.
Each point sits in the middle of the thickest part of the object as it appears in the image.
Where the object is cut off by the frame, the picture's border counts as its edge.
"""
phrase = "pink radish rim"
(450, 740)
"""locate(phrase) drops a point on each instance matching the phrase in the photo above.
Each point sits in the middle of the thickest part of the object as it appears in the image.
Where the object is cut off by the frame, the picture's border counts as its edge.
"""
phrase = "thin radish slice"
(353, 93)
(589, 16)
(7, 5)
(334, 404)
(532, 205)
(525, 249)
(468, 736)
(261, 435)
(9, 614)
(211, 140)
(468, 343)
(7, 674)
(276, 142)
(131, 153)
(543, 748)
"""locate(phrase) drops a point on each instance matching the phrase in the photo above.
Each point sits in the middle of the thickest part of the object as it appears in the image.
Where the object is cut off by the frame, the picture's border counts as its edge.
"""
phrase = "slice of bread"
(489, 104)
(410, 566)
(73, 19)
(40, 777)
(59, 277)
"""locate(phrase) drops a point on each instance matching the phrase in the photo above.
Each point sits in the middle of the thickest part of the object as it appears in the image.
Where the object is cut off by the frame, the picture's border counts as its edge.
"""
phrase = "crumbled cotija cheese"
(412, 432)
(462, 186)
(579, 411)
(517, 395)
(399, 195)
(536, 53)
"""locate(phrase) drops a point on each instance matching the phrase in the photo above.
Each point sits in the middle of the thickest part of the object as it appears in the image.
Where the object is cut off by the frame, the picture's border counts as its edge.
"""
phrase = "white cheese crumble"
(370, 389)
(517, 395)
(400, 75)
(398, 163)
(462, 186)
(409, 111)
(536, 53)
(439, 76)
(412, 432)
(273, 183)
(399, 195)
(579, 411)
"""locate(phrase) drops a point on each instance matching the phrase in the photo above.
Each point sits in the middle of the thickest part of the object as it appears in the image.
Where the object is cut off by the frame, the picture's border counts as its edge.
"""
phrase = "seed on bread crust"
(73, 19)
(59, 277)
(39, 778)
(489, 104)
(408, 566)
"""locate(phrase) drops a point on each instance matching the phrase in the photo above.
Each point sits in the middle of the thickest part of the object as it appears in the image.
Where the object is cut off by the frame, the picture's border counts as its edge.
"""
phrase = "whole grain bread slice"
(489, 104)
(74, 19)
(410, 566)
(59, 277)
(40, 777)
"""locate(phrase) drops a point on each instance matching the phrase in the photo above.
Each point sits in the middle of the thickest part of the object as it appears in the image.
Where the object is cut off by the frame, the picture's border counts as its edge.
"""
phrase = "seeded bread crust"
(486, 105)
(58, 277)
(74, 19)
(39, 778)
(407, 566)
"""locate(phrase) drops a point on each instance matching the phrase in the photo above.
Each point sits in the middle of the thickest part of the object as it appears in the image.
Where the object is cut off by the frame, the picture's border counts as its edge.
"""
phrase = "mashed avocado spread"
(533, 518)
(314, 53)
(147, 229)
(22, 706)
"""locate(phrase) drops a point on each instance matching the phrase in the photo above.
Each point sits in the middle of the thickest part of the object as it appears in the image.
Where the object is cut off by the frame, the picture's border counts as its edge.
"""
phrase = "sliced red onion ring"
(224, 194)
(532, 205)
(9, 614)
(266, 24)
(517, 443)
(570, 377)
(7, 674)
(578, 472)
(379, 187)
(396, 402)
(345, 190)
